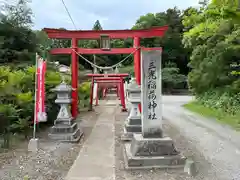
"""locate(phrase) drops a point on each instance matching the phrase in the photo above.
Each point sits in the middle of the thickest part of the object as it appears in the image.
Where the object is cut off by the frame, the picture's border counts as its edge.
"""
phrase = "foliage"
(84, 94)
(97, 25)
(173, 49)
(18, 42)
(17, 96)
(217, 114)
(127, 69)
(171, 79)
(213, 35)
(221, 99)
(18, 45)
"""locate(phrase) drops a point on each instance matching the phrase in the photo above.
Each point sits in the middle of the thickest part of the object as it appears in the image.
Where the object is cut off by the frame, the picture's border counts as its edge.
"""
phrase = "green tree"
(214, 46)
(173, 49)
(18, 42)
(213, 36)
(174, 52)
(97, 25)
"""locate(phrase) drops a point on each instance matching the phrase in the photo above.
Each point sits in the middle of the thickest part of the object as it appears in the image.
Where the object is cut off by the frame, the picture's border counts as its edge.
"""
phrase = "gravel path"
(154, 174)
(217, 144)
(53, 160)
(213, 147)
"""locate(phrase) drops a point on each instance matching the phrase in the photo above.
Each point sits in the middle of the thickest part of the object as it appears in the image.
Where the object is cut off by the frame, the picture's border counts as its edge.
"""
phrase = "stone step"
(133, 128)
(134, 120)
(146, 162)
(62, 128)
(67, 137)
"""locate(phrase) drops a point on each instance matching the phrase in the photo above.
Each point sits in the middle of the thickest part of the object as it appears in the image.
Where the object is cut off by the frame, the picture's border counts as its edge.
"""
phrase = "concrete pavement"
(96, 159)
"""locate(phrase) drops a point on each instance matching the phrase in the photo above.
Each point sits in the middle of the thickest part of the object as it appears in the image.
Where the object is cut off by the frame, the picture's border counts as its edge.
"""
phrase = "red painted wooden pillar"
(137, 60)
(74, 78)
(137, 63)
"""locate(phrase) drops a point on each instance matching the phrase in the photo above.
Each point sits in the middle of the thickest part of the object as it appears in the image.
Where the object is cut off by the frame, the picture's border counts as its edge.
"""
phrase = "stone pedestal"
(133, 122)
(151, 149)
(33, 145)
(152, 153)
(64, 129)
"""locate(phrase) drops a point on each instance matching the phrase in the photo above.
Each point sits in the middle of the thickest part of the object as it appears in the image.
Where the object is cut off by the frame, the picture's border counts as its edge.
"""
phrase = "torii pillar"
(74, 73)
(137, 62)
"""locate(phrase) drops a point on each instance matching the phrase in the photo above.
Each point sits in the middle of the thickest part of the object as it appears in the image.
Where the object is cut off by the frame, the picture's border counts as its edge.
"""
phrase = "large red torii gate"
(100, 34)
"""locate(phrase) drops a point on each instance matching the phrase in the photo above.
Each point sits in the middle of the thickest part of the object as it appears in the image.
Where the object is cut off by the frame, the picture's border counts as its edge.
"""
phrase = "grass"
(220, 116)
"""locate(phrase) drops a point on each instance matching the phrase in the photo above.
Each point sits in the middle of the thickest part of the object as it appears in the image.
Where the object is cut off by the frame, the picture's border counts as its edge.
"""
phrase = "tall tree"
(215, 45)
(173, 49)
(19, 15)
(18, 40)
(97, 26)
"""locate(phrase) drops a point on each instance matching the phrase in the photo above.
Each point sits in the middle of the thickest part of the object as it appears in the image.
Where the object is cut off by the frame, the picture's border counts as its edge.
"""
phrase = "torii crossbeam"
(104, 36)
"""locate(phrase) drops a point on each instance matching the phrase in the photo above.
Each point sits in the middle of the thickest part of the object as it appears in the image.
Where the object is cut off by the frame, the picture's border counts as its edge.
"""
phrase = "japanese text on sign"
(151, 85)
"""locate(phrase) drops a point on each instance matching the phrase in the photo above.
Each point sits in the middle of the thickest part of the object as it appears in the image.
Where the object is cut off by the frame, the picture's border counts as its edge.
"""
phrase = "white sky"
(112, 14)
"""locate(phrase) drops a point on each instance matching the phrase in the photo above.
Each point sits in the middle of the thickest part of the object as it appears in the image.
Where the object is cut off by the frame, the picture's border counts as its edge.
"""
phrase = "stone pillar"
(133, 122)
(64, 129)
(151, 149)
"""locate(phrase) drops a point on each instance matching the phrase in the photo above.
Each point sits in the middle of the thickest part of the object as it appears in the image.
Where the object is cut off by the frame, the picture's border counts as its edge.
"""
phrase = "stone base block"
(134, 120)
(127, 136)
(129, 130)
(33, 145)
(67, 137)
(141, 146)
(62, 128)
(133, 128)
(152, 153)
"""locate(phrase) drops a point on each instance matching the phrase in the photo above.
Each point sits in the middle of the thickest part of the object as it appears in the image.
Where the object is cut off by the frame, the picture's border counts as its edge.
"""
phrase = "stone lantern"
(65, 128)
(133, 121)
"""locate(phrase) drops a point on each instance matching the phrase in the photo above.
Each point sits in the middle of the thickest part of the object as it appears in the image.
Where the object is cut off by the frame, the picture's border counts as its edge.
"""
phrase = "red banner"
(40, 91)
(43, 86)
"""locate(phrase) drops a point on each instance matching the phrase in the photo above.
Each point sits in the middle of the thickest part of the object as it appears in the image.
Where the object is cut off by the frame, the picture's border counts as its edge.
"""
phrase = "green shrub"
(84, 94)
(221, 99)
(17, 97)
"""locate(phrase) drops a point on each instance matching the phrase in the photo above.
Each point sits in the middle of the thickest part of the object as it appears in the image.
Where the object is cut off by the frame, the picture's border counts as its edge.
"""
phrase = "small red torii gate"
(104, 35)
(109, 78)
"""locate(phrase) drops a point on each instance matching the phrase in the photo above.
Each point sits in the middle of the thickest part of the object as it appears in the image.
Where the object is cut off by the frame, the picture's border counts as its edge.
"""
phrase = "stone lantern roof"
(63, 87)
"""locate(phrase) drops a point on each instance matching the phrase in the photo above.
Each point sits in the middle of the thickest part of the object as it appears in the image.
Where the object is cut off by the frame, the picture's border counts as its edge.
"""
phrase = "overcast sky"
(112, 14)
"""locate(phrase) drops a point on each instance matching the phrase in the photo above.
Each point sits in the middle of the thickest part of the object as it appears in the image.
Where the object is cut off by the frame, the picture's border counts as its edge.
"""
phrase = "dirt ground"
(53, 160)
